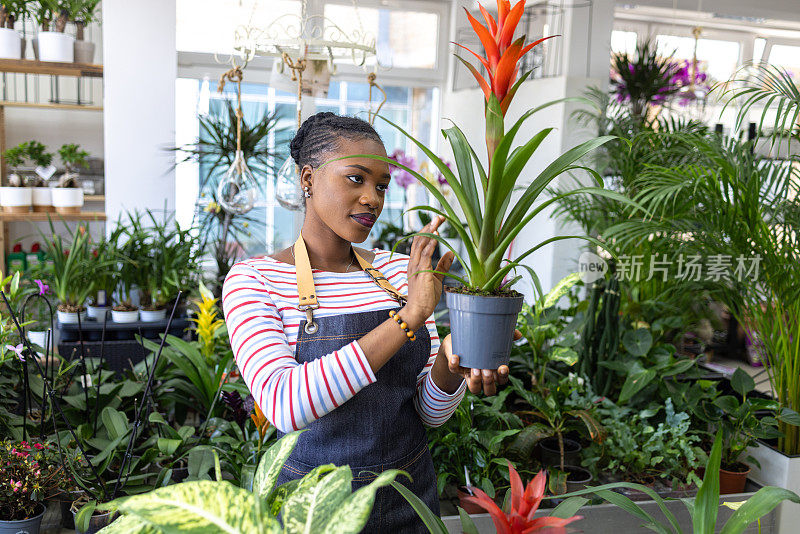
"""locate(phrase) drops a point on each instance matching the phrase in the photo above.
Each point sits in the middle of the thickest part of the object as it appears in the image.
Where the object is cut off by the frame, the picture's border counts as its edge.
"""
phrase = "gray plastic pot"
(24, 526)
(482, 328)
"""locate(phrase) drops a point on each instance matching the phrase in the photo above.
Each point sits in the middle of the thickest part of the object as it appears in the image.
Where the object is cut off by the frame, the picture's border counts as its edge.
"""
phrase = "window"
(413, 109)
(719, 58)
(404, 39)
(623, 42)
(786, 56)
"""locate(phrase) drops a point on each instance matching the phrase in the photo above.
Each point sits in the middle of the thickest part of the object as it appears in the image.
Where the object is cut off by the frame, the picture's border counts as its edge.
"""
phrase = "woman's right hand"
(424, 288)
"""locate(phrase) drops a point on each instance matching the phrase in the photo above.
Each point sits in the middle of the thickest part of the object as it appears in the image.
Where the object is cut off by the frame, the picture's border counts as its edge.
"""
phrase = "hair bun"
(298, 140)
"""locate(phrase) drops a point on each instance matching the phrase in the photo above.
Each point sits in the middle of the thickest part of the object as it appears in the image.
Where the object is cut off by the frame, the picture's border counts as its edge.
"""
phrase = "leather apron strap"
(307, 297)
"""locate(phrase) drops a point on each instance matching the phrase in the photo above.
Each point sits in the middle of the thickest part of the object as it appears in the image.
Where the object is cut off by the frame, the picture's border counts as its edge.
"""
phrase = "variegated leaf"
(201, 507)
(271, 463)
(130, 524)
(309, 508)
(353, 513)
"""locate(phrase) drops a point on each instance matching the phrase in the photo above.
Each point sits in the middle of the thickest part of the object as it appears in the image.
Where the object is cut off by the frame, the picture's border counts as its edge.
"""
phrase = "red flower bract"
(502, 55)
(524, 504)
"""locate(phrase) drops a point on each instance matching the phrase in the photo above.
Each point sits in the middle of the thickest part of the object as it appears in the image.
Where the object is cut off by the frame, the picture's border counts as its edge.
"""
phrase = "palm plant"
(731, 203)
(12, 11)
(215, 150)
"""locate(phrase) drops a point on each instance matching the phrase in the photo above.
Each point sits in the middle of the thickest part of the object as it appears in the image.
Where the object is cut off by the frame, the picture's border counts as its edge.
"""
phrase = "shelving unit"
(45, 68)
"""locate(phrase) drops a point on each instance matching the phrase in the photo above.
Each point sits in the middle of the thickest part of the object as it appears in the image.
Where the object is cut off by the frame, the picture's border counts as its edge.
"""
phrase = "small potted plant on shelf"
(42, 196)
(106, 278)
(71, 274)
(83, 13)
(16, 197)
(483, 312)
(31, 474)
(53, 43)
(67, 196)
(12, 46)
(129, 268)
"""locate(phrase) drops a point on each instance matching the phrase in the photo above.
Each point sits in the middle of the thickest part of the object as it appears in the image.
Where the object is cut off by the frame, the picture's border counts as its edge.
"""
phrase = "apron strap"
(307, 297)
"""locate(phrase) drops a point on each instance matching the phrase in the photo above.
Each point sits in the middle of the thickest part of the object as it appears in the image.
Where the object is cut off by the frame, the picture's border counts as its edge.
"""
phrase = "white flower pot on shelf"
(152, 316)
(84, 52)
(97, 312)
(40, 338)
(42, 199)
(11, 46)
(778, 469)
(70, 317)
(56, 46)
(67, 199)
(16, 199)
(124, 316)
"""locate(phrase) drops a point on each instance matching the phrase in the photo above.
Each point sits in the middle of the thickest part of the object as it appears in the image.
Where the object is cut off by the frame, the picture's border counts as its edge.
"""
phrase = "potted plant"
(83, 13)
(741, 429)
(131, 260)
(71, 273)
(12, 46)
(53, 43)
(42, 197)
(31, 474)
(67, 196)
(105, 279)
(483, 312)
(16, 197)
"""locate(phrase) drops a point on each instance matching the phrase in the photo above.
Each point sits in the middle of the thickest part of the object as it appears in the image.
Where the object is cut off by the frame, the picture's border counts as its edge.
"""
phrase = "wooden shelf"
(43, 216)
(38, 105)
(30, 66)
(94, 198)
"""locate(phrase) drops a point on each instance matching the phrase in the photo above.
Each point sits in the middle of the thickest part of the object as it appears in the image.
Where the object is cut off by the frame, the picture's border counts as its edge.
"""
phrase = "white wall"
(768, 9)
(140, 73)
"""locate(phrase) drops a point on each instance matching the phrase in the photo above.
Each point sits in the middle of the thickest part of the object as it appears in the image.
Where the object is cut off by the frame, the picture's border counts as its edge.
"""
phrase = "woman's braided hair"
(320, 133)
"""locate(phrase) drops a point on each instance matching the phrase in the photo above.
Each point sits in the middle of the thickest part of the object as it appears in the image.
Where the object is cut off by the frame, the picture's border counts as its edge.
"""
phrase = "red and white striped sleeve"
(290, 394)
(433, 405)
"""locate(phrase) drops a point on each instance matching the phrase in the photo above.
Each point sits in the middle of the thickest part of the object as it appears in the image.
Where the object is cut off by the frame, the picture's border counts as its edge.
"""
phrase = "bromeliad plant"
(484, 194)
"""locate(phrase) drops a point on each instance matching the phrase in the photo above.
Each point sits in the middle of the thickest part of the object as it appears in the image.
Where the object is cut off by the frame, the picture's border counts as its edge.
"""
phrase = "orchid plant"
(484, 194)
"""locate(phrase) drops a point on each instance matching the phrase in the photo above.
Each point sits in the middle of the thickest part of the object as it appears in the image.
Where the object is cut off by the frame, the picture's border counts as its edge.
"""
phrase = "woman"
(313, 337)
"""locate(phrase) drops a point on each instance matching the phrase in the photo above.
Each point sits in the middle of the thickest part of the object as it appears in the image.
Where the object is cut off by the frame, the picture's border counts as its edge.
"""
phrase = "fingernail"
(454, 360)
(476, 372)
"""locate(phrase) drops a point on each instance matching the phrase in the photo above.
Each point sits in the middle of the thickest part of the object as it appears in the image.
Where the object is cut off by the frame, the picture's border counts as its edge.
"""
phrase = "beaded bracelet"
(396, 316)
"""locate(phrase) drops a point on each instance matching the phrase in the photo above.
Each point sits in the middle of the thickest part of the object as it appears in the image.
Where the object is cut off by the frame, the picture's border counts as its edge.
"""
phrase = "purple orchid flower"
(43, 288)
(18, 350)
(402, 177)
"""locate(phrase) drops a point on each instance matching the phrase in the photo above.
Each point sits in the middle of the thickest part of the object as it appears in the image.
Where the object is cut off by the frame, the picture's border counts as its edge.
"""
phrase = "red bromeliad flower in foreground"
(520, 518)
(502, 55)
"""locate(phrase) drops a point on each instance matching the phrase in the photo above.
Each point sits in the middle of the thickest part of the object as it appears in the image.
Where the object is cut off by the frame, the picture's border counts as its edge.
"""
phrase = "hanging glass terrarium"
(287, 186)
(238, 191)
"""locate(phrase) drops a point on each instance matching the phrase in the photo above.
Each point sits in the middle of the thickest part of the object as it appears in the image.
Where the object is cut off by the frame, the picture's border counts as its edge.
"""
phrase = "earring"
(305, 192)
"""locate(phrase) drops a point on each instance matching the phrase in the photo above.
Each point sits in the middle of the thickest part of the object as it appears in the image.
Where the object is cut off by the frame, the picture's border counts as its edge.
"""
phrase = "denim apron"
(378, 428)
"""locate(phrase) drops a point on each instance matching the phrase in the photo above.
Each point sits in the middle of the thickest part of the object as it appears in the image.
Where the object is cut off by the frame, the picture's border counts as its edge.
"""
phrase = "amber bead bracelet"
(396, 316)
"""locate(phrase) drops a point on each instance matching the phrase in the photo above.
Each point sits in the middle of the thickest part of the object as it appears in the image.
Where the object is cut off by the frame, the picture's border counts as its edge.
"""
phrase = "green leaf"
(269, 467)
(114, 421)
(432, 521)
(757, 507)
(353, 513)
(563, 354)
(84, 515)
(568, 507)
(626, 504)
(467, 524)
(728, 403)
(706, 503)
(168, 446)
(742, 383)
(200, 507)
(637, 342)
(310, 507)
(634, 384)
(129, 524)
(789, 416)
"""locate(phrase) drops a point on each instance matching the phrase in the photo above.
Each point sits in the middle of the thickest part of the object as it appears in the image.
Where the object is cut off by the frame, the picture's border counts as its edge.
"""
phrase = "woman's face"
(347, 195)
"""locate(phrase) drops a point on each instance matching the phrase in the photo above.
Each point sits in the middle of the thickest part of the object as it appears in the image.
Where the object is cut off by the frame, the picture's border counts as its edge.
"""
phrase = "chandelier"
(307, 46)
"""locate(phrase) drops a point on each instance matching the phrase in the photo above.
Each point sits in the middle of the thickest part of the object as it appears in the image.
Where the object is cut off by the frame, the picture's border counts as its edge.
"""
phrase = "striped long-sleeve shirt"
(259, 300)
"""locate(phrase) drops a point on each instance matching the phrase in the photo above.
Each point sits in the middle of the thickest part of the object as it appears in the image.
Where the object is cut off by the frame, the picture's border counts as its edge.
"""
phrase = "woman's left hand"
(477, 379)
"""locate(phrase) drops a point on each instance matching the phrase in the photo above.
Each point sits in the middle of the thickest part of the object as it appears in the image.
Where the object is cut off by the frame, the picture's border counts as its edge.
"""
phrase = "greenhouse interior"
(229, 225)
